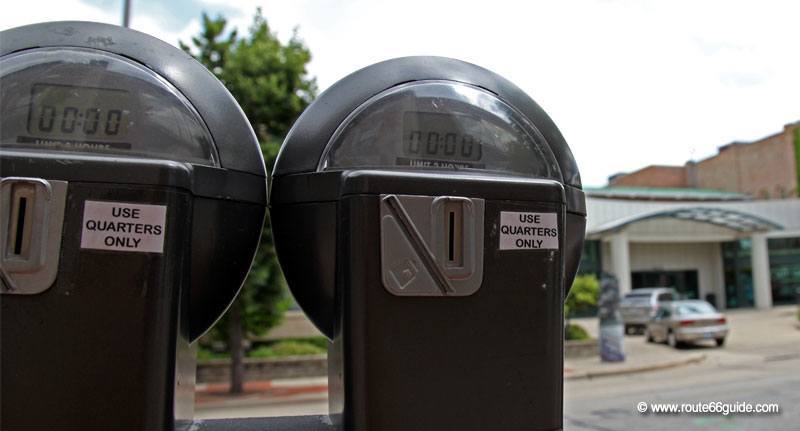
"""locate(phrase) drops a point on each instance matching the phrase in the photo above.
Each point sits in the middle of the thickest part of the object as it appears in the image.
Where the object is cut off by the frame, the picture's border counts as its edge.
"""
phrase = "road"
(610, 403)
(760, 364)
(296, 406)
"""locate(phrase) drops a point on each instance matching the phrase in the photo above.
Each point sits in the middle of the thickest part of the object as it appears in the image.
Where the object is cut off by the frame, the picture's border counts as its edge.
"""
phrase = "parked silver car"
(638, 306)
(687, 321)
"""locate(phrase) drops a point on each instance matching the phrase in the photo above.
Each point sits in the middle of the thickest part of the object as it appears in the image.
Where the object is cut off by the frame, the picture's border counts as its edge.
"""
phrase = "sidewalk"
(649, 357)
(638, 359)
(640, 356)
(260, 392)
(755, 335)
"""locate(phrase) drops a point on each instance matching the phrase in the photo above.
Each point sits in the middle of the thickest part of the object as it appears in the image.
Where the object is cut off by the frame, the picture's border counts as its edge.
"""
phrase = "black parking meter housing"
(133, 196)
(429, 218)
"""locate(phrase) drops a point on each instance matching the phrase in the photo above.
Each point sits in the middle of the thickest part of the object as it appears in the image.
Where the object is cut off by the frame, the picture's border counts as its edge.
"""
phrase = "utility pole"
(126, 13)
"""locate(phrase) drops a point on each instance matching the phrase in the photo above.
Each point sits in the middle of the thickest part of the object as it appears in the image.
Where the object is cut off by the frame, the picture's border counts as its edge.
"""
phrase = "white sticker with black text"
(528, 231)
(123, 226)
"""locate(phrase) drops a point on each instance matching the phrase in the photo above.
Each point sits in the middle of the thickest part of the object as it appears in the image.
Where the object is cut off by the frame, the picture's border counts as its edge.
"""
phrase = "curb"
(695, 359)
(311, 392)
(215, 371)
(258, 401)
(214, 395)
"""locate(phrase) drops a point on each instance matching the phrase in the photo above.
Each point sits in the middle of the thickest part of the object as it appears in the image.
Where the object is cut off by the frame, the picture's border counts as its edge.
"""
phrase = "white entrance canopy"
(727, 218)
(648, 234)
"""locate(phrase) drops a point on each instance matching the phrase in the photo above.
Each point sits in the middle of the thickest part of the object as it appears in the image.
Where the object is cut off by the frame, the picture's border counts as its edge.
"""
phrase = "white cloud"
(153, 27)
(33, 11)
(630, 83)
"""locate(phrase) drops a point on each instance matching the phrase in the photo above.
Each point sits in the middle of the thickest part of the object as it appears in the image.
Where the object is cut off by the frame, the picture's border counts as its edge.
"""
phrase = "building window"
(684, 282)
(738, 274)
(590, 259)
(784, 268)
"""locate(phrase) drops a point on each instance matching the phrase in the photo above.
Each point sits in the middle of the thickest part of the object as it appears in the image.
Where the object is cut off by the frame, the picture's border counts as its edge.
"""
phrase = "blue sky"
(629, 82)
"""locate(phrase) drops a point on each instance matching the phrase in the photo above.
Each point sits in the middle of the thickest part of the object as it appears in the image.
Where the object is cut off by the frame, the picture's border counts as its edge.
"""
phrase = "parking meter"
(429, 218)
(133, 196)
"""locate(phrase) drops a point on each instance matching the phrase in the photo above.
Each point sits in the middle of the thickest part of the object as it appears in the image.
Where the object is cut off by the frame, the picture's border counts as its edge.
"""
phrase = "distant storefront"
(718, 246)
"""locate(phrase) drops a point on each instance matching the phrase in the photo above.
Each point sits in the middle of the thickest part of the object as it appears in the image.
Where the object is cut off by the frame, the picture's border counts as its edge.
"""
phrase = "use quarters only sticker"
(123, 227)
(528, 231)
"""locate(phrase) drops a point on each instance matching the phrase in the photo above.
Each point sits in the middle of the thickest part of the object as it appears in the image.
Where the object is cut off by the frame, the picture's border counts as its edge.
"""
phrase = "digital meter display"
(451, 136)
(75, 100)
(439, 125)
(78, 112)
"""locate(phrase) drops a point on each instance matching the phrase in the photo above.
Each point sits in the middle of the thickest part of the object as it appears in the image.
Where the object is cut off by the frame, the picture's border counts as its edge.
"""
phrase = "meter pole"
(126, 13)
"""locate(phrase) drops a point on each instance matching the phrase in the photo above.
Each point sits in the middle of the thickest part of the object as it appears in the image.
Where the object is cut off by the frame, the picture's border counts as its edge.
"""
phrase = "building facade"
(723, 247)
(738, 167)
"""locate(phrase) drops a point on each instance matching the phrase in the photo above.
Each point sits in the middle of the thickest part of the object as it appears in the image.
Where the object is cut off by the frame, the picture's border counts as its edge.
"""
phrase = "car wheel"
(629, 329)
(648, 336)
(672, 340)
(720, 342)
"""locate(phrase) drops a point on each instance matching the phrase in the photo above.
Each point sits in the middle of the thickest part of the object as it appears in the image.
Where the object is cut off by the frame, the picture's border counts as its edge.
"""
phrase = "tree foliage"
(269, 80)
(211, 46)
(582, 296)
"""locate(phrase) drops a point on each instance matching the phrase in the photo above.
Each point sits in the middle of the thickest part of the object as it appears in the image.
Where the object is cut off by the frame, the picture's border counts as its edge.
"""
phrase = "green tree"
(270, 81)
(212, 45)
(582, 297)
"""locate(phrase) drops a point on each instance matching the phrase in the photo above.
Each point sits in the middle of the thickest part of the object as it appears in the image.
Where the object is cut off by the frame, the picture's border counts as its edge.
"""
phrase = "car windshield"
(695, 308)
(637, 297)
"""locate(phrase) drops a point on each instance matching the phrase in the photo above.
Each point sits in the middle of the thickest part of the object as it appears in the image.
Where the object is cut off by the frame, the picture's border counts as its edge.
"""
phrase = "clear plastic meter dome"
(439, 125)
(93, 102)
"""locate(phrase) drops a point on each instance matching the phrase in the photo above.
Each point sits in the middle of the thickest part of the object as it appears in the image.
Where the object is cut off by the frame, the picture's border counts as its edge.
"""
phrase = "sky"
(629, 83)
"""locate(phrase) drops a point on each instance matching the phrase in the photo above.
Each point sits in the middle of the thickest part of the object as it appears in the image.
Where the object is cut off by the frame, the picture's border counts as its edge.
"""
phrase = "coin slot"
(450, 250)
(20, 221)
(431, 245)
(19, 234)
(454, 221)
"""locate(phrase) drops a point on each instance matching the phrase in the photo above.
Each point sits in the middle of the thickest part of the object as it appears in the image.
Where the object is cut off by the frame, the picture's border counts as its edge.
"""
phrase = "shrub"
(320, 342)
(270, 349)
(575, 332)
(206, 354)
(286, 348)
(582, 296)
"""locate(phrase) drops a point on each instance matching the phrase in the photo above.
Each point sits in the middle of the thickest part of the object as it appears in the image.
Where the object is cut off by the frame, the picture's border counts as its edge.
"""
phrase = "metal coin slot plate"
(431, 245)
(31, 220)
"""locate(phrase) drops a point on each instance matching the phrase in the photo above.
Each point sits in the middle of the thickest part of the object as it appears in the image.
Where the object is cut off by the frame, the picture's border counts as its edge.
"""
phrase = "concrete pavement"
(215, 397)
(765, 341)
(611, 403)
(759, 364)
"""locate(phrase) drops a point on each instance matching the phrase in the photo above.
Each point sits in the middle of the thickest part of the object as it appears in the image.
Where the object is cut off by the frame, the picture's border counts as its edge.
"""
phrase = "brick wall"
(653, 176)
(764, 169)
(720, 171)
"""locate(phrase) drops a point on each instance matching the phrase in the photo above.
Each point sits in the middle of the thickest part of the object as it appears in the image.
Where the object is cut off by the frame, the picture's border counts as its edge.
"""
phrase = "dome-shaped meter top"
(387, 98)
